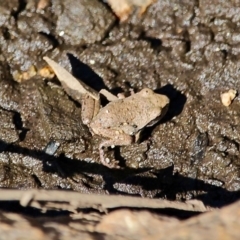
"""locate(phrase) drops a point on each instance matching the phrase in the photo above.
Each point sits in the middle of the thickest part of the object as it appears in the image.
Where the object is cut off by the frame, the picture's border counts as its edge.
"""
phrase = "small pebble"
(228, 97)
(92, 62)
(61, 33)
(51, 148)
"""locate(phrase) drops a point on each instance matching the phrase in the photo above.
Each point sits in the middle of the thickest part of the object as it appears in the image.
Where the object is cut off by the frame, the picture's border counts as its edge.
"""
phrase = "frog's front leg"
(118, 139)
(90, 108)
(109, 96)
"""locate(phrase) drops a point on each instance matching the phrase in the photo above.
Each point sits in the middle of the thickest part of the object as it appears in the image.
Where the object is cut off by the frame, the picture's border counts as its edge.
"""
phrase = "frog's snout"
(164, 104)
(163, 101)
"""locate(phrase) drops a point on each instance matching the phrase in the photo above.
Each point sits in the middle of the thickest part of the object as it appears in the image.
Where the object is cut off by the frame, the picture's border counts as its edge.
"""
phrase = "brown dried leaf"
(74, 87)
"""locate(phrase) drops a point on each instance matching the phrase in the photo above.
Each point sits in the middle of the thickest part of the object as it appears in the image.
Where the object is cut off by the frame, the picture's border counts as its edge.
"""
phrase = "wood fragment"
(100, 202)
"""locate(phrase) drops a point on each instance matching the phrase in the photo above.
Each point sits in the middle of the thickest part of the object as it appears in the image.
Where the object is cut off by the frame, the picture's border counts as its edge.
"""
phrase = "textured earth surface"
(188, 50)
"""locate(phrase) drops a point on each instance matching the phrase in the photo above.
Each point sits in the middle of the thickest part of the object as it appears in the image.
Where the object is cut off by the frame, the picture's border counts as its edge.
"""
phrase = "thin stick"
(80, 200)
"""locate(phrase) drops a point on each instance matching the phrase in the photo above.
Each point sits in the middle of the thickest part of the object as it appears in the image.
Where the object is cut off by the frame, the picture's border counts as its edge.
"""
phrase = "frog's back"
(129, 115)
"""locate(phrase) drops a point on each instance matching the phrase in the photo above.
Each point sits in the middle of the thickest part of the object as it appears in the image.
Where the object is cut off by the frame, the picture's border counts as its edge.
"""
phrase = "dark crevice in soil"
(188, 46)
(187, 41)
(6, 34)
(19, 125)
(52, 38)
(225, 54)
(36, 180)
(212, 35)
(21, 6)
(156, 44)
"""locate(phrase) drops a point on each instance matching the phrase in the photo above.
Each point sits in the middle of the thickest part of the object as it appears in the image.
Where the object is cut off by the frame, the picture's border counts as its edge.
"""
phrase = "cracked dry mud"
(188, 50)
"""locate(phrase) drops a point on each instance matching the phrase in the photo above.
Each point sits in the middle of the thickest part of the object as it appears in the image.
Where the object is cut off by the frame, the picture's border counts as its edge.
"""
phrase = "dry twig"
(72, 200)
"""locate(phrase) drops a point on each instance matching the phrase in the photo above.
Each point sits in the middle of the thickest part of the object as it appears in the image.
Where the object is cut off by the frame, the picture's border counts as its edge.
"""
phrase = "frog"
(121, 121)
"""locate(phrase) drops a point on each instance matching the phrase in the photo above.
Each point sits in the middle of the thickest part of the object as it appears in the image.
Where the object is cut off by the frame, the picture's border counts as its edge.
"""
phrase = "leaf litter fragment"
(74, 87)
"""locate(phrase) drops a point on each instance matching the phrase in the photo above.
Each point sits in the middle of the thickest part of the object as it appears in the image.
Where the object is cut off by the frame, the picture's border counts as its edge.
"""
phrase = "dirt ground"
(187, 50)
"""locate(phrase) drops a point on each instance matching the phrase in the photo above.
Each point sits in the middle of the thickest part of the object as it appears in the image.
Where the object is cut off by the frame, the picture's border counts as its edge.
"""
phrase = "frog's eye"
(146, 92)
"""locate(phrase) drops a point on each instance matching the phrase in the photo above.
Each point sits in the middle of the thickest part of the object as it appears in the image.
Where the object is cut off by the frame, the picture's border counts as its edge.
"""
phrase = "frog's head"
(160, 103)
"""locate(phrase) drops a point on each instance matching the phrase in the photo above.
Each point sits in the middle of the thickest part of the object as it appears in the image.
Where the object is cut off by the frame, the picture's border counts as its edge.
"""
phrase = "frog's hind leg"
(120, 139)
(90, 108)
